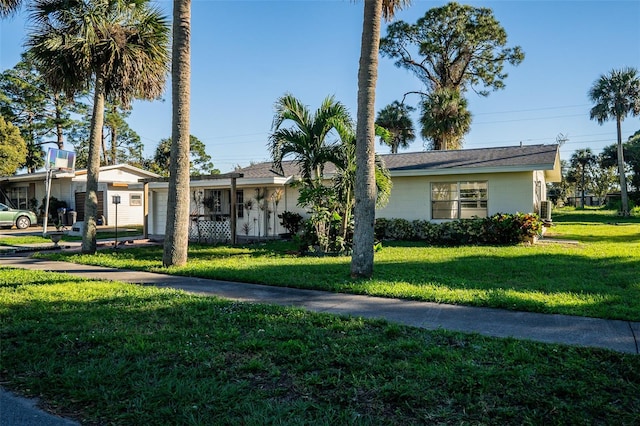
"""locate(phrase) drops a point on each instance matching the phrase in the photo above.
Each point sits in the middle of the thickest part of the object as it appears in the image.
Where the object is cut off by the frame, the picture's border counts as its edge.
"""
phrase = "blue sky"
(245, 54)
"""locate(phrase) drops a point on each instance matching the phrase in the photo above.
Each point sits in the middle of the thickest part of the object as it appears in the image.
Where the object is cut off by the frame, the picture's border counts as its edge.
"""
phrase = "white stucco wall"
(507, 193)
(127, 214)
(410, 199)
(288, 202)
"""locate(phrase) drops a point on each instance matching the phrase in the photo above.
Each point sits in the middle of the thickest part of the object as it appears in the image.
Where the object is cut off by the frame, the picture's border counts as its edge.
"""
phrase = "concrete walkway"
(621, 336)
(618, 336)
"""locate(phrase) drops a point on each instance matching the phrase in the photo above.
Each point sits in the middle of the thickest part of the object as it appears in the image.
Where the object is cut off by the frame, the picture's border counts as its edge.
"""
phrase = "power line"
(532, 109)
(529, 119)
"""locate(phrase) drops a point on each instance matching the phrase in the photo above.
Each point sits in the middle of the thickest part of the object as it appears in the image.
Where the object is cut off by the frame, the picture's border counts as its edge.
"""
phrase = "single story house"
(27, 191)
(430, 185)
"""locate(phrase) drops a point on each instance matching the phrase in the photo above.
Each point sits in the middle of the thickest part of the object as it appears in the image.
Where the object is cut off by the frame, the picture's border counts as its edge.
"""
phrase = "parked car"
(22, 219)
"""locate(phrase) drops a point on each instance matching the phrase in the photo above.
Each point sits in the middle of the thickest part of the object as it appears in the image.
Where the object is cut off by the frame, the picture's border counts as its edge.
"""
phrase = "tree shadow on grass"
(531, 280)
(537, 282)
(132, 356)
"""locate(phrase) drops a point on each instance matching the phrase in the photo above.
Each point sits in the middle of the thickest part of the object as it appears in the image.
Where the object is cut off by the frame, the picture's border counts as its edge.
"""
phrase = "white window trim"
(458, 200)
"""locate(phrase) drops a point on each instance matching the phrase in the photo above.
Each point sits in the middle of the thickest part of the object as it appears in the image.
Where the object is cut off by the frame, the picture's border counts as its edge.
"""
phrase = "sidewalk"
(620, 336)
(591, 332)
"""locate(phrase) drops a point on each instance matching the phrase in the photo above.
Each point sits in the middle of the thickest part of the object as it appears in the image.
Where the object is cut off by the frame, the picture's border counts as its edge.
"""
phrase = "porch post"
(233, 211)
(145, 210)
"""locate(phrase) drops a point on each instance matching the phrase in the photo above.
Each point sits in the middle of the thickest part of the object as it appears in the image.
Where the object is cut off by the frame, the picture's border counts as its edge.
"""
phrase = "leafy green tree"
(176, 241)
(582, 163)
(616, 95)
(396, 119)
(365, 185)
(559, 191)
(312, 139)
(118, 48)
(445, 119)
(119, 143)
(201, 163)
(605, 178)
(454, 47)
(631, 153)
(13, 149)
(124, 143)
(41, 113)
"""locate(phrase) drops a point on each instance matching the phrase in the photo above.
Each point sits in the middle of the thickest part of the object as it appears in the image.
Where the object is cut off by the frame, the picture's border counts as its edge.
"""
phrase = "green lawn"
(598, 277)
(13, 240)
(121, 354)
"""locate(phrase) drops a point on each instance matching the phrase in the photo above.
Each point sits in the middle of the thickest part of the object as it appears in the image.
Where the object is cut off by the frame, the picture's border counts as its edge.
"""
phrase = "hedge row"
(499, 229)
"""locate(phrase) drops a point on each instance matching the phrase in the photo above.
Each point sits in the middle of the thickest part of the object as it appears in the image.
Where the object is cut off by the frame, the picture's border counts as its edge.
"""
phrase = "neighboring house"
(23, 191)
(431, 185)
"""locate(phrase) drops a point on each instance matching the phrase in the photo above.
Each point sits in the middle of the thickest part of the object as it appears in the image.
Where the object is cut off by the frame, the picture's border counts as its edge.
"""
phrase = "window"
(216, 194)
(135, 199)
(240, 204)
(18, 197)
(458, 200)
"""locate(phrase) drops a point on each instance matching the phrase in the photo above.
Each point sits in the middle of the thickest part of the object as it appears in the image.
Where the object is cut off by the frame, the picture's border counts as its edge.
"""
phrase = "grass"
(596, 278)
(114, 353)
(14, 240)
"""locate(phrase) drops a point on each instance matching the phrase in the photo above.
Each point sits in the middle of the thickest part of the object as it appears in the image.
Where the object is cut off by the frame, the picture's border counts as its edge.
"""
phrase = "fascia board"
(39, 176)
(470, 171)
(25, 178)
(226, 183)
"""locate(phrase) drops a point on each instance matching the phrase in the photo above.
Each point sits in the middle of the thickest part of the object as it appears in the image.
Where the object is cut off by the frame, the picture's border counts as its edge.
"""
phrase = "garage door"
(158, 215)
(80, 198)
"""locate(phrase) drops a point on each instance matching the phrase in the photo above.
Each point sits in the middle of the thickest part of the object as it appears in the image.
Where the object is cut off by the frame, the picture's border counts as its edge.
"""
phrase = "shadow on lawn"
(584, 237)
(568, 284)
(148, 357)
(532, 280)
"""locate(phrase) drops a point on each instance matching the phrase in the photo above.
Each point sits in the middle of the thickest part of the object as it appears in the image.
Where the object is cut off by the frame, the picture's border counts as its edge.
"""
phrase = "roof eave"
(470, 170)
(226, 183)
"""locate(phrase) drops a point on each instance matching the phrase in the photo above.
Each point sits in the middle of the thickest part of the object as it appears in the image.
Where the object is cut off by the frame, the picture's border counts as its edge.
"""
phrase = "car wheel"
(23, 222)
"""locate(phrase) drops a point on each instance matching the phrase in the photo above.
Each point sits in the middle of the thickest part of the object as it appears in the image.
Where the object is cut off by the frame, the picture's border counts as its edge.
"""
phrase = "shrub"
(379, 228)
(499, 229)
(291, 221)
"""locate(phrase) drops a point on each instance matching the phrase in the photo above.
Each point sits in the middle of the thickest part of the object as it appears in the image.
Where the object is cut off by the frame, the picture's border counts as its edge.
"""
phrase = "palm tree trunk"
(623, 179)
(177, 228)
(93, 169)
(58, 106)
(347, 214)
(365, 185)
(583, 166)
(105, 159)
(114, 145)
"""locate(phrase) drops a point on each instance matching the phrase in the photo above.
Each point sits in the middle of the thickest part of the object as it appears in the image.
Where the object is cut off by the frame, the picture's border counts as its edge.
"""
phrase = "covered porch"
(224, 208)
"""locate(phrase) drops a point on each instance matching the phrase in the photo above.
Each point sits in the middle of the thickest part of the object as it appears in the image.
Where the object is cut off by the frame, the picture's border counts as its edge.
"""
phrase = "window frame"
(19, 197)
(135, 199)
(240, 203)
(456, 196)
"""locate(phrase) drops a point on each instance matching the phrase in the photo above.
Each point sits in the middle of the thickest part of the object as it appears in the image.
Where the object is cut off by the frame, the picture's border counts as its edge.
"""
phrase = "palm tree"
(396, 119)
(617, 95)
(365, 187)
(344, 180)
(312, 139)
(117, 47)
(9, 7)
(582, 159)
(176, 242)
(445, 118)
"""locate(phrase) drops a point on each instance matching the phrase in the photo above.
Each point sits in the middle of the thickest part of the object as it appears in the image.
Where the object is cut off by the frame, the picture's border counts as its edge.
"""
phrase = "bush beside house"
(499, 229)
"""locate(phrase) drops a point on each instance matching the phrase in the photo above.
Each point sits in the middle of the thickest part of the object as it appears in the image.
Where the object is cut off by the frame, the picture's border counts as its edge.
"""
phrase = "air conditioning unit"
(545, 210)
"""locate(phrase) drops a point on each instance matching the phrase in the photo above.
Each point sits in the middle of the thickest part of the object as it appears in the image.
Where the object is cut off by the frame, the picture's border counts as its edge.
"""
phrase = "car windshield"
(4, 207)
